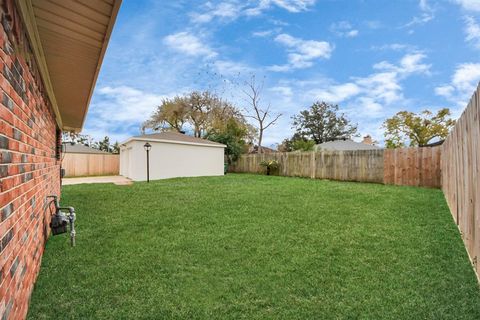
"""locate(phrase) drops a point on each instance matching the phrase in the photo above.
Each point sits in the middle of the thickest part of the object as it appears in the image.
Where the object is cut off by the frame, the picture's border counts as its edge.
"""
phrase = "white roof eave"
(174, 142)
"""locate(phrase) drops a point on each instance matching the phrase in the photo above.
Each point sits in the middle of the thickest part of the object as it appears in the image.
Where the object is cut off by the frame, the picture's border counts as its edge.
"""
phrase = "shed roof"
(175, 137)
(80, 148)
(343, 145)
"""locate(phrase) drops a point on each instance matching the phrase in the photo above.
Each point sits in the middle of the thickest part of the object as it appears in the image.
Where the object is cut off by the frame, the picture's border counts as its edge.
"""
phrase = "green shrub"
(303, 145)
(269, 165)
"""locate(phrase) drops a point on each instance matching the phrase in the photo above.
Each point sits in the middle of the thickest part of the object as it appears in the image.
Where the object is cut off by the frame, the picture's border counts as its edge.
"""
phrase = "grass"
(256, 247)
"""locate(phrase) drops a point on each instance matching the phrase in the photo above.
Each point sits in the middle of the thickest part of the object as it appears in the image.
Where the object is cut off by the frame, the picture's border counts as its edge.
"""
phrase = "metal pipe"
(71, 220)
(148, 165)
(71, 216)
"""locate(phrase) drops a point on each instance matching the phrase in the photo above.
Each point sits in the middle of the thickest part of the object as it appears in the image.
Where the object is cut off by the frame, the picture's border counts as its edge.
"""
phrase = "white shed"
(171, 155)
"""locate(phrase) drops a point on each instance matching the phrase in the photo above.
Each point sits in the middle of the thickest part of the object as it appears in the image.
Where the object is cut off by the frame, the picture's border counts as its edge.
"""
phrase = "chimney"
(367, 140)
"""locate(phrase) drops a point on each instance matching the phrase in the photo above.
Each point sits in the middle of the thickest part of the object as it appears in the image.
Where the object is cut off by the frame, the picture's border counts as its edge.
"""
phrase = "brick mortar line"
(18, 246)
(19, 195)
(43, 210)
(21, 109)
(24, 143)
(20, 174)
(30, 154)
(23, 122)
(20, 98)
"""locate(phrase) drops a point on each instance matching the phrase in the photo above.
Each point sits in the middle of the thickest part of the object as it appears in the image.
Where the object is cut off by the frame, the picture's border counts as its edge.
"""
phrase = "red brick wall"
(29, 170)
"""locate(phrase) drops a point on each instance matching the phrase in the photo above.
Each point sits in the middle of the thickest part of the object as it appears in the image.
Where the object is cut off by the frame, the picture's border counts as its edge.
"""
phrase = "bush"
(303, 145)
(269, 165)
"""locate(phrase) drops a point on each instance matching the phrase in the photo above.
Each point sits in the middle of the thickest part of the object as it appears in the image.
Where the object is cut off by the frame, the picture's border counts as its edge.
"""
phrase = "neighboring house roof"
(434, 144)
(343, 145)
(69, 41)
(254, 149)
(80, 148)
(175, 137)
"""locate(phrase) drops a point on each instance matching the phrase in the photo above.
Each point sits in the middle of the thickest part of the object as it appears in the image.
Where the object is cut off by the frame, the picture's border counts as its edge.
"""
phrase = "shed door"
(126, 162)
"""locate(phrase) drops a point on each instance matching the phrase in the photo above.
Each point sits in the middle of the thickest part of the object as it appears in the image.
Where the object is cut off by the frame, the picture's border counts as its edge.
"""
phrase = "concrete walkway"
(118, 180)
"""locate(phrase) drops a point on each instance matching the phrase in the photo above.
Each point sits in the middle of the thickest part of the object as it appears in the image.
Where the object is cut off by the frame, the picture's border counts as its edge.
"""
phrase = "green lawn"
(257, 247)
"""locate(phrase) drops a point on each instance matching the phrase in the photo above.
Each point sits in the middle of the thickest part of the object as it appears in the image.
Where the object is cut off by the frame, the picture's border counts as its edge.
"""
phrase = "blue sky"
(371, 57)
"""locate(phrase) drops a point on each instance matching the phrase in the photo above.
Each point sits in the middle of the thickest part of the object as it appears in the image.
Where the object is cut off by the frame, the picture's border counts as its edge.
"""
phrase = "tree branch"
(273, 121)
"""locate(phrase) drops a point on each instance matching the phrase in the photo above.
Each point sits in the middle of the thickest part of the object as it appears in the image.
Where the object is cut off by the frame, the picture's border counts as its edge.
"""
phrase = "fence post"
(313, 162)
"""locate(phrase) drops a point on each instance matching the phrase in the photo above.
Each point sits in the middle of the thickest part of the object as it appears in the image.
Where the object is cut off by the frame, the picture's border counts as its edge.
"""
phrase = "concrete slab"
(118, 180)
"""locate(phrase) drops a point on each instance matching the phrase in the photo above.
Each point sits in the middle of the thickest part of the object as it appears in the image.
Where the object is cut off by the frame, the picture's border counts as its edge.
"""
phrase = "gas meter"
(62, 217)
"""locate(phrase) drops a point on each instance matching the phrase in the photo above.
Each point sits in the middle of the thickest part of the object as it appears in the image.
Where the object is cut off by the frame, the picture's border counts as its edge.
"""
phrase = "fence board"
(413, 167)
(83, 164)
(460, 176)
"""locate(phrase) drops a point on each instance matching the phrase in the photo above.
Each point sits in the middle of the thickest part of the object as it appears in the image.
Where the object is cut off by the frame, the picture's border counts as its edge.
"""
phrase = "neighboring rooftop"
(343, 145)
(171, 136)
(254, 149)
(80, 148)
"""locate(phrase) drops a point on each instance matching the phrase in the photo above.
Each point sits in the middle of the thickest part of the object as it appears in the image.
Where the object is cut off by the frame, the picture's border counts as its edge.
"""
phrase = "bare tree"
(263, 117)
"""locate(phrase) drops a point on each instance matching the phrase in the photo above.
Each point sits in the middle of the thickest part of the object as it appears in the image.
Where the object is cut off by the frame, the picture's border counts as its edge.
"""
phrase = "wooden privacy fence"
(461, 176)
(454, 166)
(85, 164)
(411, 166)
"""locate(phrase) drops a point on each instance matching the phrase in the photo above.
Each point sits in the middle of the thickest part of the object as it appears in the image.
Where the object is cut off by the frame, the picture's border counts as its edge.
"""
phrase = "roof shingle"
(343, 145)
(175, 136)
(80, 148)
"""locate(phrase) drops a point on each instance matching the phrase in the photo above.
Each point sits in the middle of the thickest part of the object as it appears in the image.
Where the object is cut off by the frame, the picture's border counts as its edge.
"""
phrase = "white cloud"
(395, 47)
(293, 6)
(373, 24)
(427, 15)
(424, 5)
(117, 111)
(366, 100)
(302, 53)
(472, 31)
(370, 95)
(466, 76)
(352, 33)
(283, 90)
(223, 11)
(336, 93)
(445, 91)
(463, 84)
(231, 68)
(230, 10)
(265, 33)
(410, 63)
(127, 103)
(369, 99)
(344, 29)
(381, 87)
(470, 5)
(189, 44)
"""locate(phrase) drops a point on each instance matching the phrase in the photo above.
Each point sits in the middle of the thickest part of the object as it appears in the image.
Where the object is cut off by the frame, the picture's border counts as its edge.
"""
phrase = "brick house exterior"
(30, 159)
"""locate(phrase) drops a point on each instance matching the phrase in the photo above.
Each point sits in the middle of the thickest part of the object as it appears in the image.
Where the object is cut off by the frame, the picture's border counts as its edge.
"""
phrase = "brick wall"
(29, 169)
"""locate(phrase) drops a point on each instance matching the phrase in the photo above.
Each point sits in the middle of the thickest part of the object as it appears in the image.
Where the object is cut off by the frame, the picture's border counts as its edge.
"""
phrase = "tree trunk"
(260, 137)
(197, 132)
